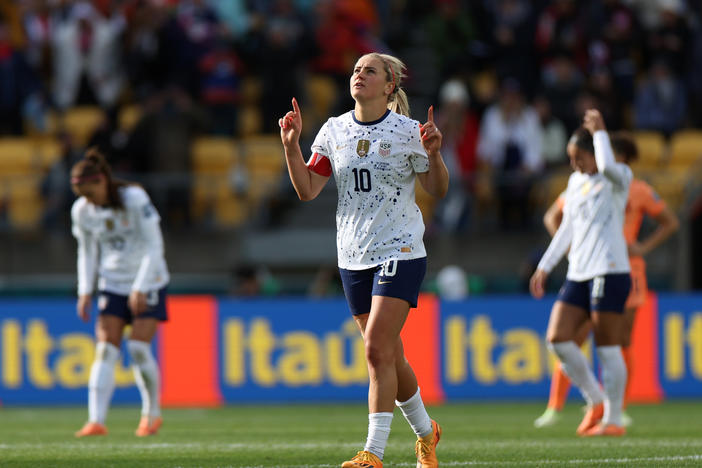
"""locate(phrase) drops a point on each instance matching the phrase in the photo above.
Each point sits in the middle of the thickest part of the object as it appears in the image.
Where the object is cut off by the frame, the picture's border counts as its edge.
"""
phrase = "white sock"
(416, 415)
(614, 382)
(147, 377)
(378, 432)
(577, 369)
(102, 381)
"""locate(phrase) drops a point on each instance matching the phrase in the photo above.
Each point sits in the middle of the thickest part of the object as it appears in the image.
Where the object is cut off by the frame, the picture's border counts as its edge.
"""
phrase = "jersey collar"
(373, 122)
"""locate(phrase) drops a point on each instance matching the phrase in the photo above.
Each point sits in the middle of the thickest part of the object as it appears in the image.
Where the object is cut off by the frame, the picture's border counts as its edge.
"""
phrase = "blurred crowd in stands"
(510, 78)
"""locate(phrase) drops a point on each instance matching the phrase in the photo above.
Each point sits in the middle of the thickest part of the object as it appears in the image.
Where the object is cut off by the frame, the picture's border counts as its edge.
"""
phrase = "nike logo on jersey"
(384, 282)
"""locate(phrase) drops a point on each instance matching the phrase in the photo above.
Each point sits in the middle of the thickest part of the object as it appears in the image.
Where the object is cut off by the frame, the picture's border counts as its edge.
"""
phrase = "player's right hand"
(83, 306)
(291, 125)
(537, 283)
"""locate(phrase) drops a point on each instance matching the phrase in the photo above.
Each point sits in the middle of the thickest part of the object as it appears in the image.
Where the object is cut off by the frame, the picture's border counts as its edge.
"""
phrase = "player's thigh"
(565, 321)
(109, 328)
(608, 327)
(144, 329)
(385, 322)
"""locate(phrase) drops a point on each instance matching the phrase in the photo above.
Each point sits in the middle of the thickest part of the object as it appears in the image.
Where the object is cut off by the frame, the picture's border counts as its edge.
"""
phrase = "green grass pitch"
(475, 434)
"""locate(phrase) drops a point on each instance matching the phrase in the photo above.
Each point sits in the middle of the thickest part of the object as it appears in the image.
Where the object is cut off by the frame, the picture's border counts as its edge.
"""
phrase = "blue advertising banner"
(290, 350)
(680, 338)
(310, 350)
(46, 352)
(494, 348)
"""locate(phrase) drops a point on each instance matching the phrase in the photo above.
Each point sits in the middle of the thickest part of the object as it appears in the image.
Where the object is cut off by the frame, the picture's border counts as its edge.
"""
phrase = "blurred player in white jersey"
(119, 244)
(375, 153)
(642, 200)
(598, 281)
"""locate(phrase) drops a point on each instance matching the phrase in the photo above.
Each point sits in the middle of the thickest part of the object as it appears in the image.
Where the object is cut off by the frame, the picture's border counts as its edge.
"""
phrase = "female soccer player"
(375, 152)
(598, 282)
(642, 201)
(120, 242)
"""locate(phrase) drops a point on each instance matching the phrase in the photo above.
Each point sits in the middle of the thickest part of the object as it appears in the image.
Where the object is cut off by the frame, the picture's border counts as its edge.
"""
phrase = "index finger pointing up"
(296, 108)
(430, 114)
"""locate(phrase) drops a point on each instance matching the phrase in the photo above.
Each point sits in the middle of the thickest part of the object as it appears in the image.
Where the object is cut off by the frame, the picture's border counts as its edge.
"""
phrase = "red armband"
(319, 164)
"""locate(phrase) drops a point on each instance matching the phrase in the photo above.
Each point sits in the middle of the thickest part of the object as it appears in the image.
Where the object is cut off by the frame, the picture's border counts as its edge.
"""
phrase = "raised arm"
(435, 181)
(619, 174)
(307, 183)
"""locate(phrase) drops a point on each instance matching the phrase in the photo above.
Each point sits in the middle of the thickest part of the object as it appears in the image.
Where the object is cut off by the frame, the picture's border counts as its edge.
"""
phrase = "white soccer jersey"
(375, 166)
(126, 246)
(593, 219)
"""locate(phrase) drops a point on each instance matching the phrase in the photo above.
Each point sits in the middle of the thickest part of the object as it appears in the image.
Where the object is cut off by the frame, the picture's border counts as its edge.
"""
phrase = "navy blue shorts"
(116, 304)
(394, 278)
(606, 293)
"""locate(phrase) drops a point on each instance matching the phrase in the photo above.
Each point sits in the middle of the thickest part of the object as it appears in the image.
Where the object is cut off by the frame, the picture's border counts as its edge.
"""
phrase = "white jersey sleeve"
(321, 141)
(87, 249)
(418, 155)
(148, 225)
(559, 245)
(619, 174)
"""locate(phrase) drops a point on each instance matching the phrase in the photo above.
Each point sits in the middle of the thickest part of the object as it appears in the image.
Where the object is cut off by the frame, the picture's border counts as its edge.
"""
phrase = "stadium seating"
(685, 148)
(320, 95)
(20, 176)
(213, 160)
(651, 146)
(670, 184)
(80, 122)
(129, 116)
(265, 161)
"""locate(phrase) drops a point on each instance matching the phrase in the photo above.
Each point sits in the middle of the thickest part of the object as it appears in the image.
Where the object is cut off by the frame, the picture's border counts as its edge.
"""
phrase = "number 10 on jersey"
(362, 177)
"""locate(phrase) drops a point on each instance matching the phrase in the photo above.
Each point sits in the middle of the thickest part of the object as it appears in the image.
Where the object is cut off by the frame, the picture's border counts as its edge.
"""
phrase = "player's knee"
(378, 354)
(139, 351)
(106, 352)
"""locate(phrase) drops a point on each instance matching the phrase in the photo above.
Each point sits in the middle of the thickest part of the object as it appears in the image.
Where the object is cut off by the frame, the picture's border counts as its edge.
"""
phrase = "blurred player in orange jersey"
(642, 200)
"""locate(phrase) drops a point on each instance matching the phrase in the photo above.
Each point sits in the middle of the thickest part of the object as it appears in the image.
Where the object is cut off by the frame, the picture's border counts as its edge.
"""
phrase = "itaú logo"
(253, 353)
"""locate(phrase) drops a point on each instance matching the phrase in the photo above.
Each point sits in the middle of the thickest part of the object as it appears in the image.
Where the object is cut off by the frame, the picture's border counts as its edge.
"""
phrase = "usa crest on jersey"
(384, 149)
(363, 147)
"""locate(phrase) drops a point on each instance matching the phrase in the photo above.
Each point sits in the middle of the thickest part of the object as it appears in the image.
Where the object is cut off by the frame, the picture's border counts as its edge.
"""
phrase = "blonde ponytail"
(395, 71)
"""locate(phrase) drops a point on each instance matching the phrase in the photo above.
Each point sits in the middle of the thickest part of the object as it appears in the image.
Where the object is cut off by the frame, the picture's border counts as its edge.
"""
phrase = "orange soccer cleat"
(592, 417)
(611, 430)
(425, 448)
(363, 459)
(92, 429)
(148, 426)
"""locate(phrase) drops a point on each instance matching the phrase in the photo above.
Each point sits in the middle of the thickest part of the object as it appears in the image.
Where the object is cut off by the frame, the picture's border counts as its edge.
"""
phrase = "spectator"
(285, 45)
(450, 29)
(87, 66)
(511, 40)
(553, 137)
(560, 28)
(671, 39)
(220, 75)
(160, 143)
(146, 49)
(661, 100)
(460, 129)
(561, 82)
(509, 145)
(614, 39)
(19, 86)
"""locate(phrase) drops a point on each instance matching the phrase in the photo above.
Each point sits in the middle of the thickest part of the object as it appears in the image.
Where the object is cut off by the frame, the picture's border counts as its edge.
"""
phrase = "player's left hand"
(431, 136)
(137, 302)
